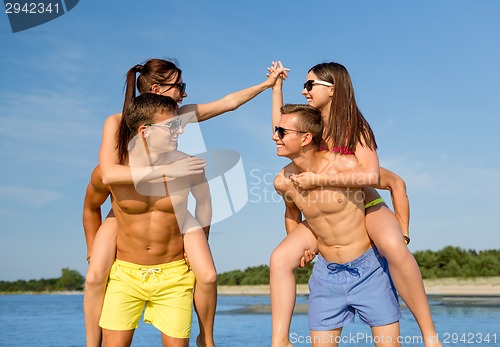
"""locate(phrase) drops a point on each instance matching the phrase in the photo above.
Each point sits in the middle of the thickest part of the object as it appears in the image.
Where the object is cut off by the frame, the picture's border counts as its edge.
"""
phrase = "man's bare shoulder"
(282, 181)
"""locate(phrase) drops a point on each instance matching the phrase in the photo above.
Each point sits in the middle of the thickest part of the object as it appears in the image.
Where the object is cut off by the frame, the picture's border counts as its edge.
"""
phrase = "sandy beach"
(449, 291)
(480, 286)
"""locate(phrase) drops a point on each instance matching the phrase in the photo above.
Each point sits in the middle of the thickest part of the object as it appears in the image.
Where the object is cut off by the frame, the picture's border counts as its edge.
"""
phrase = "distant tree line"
(447, 262)
(457, 262)
(69, 280)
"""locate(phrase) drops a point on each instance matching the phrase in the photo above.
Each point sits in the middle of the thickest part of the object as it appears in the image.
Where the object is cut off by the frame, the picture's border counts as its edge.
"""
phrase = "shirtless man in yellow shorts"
(150, 269)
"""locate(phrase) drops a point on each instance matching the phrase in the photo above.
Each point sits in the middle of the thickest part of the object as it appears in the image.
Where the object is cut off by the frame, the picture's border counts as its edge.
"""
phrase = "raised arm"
(228, 103)
(277, 93)
(95, 196)
(231, 101)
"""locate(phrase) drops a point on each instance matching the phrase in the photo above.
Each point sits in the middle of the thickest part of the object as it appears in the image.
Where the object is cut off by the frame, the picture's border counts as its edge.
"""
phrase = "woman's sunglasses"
(172, 126)
(310, 83)
(281, 132)
(180, 86)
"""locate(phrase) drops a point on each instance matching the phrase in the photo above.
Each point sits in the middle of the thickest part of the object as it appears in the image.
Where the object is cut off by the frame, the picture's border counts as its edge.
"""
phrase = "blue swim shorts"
(364, 285)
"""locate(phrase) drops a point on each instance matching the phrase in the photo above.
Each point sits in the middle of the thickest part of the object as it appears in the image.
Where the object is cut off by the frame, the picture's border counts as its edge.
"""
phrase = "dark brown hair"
(141, 110)
(346, 124)
(309, 120)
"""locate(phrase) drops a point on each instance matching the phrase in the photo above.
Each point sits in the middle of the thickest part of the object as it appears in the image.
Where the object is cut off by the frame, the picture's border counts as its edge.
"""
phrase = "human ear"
(143, 131)
(155, 88)
(306, 139)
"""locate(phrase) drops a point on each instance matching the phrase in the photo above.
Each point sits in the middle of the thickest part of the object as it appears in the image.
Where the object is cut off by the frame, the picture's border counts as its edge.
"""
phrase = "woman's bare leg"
(383, 228)
(102, 257)
(284, 259)
(205, 290)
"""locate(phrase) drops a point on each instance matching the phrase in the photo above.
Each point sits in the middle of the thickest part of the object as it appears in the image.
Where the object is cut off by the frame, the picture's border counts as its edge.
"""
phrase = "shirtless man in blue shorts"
(349, 275)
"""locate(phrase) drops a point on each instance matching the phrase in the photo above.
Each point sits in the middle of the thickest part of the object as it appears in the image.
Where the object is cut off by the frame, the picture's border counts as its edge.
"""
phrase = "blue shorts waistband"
(369, 255)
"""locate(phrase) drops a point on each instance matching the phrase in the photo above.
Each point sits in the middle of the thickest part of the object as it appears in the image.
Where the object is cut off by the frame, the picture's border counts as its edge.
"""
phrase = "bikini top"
(341, 150)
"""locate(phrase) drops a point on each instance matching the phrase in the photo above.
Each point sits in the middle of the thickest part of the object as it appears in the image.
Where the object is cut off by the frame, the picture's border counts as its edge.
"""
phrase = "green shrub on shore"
(70, 280)
(456, 262)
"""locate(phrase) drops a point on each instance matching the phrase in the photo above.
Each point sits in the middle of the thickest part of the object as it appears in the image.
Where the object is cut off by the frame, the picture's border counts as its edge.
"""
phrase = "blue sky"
(426, 76)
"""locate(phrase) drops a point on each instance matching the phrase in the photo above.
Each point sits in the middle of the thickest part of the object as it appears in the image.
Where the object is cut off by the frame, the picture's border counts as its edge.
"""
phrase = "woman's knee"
(282, 259)
(95, 278)
(207, 277)
(395, 250)
(393, 247)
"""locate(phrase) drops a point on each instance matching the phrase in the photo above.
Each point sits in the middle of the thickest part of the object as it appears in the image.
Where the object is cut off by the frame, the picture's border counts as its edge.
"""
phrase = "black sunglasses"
(281, 132)
(310, 83)
(180, 86)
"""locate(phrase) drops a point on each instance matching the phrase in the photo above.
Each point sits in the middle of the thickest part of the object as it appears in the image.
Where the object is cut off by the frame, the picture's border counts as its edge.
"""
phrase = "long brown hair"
(153, 71)
(346, 125)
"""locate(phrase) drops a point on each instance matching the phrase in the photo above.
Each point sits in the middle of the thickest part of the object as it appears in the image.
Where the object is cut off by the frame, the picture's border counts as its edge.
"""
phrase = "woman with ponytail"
(163, 77)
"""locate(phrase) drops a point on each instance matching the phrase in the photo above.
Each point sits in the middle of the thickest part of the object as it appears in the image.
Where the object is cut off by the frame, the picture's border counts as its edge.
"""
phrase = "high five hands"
(277, 70)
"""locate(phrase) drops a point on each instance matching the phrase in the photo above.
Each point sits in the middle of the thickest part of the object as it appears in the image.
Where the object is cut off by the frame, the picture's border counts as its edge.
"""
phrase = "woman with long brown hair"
(329, 89)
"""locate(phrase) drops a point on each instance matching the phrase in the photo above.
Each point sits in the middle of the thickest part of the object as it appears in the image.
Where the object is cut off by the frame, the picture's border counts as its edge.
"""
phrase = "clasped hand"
(305, 180)
(185, 167)
(277, 70)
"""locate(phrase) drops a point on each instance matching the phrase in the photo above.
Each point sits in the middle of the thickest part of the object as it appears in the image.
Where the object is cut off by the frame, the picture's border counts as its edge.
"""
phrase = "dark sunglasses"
(180, 86)
(281, 132)
(310, 83)
(172, 127)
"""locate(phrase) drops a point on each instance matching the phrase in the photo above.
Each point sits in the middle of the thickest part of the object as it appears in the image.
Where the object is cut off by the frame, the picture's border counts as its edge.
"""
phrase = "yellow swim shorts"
(166, 290)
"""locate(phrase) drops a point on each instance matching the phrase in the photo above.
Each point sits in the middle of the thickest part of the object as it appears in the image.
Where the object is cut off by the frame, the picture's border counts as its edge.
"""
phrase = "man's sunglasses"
(180, 86)
(172, 127)
(310, 83)
(281, 132)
